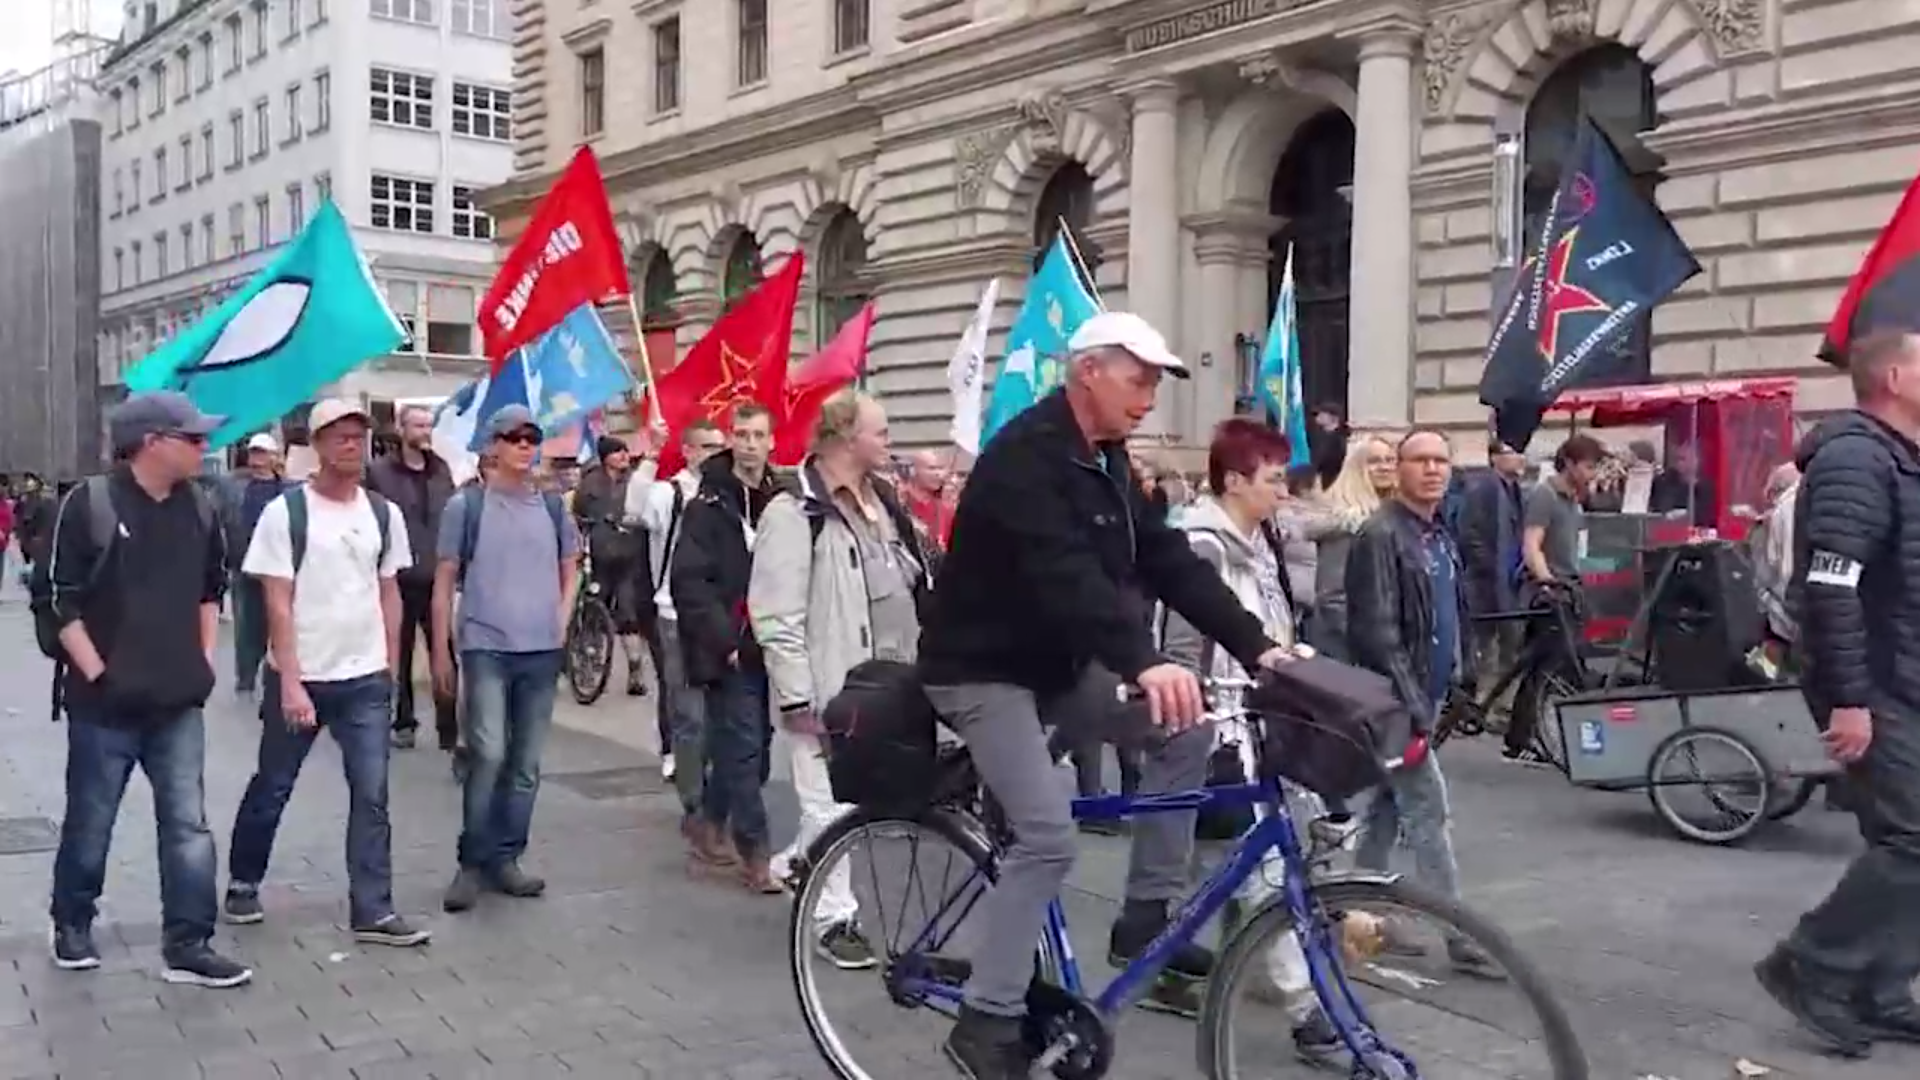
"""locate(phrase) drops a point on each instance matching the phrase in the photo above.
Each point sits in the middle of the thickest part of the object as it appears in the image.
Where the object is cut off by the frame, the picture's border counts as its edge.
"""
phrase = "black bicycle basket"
(1329, 727)
(882, 747)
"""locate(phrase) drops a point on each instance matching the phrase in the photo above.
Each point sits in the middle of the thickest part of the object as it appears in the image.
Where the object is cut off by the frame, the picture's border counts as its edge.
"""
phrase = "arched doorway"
(1067, 198)
(742, 271)
(844, 287)
(1611, 85)
(659, 289)
(1313, 192)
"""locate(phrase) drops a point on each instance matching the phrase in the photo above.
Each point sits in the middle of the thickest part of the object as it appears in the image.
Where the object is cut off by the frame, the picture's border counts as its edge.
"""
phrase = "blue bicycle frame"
(1274, 831)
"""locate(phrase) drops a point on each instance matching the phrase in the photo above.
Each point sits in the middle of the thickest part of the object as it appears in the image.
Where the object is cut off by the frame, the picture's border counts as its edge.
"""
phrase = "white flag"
(966, 372)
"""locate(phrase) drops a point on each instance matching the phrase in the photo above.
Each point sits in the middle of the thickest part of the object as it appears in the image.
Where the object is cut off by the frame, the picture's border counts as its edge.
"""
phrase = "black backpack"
(296, 498)
(1330, 727)
(882, 741)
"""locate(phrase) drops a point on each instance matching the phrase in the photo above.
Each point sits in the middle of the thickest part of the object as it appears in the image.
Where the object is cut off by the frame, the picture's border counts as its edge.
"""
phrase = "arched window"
(1312, 192)
(658, 289)
(1068, 199)
(843, 284)
(743, 269)
(1613, 86)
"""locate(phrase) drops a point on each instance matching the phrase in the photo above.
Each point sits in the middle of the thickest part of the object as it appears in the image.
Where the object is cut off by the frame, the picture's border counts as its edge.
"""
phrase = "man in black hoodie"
(1847, 970)
(711, 566)
(418, 482)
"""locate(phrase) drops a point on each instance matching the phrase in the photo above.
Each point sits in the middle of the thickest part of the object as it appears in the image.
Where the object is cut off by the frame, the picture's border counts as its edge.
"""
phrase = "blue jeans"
(738, 734)
(171, 750)
(509, 707)
(356, 712)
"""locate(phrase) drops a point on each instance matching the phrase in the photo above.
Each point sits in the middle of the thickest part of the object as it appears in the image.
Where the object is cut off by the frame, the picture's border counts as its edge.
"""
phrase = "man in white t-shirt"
(327, 554)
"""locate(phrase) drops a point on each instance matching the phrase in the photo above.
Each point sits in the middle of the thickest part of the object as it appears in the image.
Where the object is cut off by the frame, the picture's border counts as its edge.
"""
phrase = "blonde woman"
(1366, 479)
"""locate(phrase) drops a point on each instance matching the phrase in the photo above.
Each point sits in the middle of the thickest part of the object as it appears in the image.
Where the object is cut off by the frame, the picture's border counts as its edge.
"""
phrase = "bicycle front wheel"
(1390, 982)
(589, 651)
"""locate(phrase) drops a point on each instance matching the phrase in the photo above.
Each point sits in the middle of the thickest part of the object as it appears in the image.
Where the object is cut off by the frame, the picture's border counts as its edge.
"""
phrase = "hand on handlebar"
(1173, 696)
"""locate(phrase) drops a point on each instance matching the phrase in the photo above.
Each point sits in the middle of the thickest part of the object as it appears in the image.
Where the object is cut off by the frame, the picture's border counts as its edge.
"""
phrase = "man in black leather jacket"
(1847, 970)
(1406, 620)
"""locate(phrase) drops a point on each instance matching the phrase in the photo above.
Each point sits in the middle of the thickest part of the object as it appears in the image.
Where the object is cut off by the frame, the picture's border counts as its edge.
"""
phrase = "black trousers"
(1864, 938)
(416, 623)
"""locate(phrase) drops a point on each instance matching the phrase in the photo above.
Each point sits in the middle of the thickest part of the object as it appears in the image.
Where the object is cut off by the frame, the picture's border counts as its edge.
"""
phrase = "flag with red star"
(1606, 256)
(742, 358)
(836, 366)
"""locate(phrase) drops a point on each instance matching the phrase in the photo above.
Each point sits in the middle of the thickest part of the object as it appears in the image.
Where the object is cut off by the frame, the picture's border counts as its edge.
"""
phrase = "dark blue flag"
(1606, 256)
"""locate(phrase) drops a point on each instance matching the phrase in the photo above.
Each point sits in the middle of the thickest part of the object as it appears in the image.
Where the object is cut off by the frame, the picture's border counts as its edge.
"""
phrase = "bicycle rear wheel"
(589, 650)
(1401, 996)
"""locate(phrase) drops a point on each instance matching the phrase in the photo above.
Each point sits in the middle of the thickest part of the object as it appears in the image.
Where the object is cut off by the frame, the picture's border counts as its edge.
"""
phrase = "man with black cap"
(138, 569)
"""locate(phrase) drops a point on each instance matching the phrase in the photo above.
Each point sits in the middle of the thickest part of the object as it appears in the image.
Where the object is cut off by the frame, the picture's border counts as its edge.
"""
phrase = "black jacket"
(1490, 542)
(1857, 566)
(1055, 563)
(421, 495)
(1390, 606)
(33, 525)
(711, 565)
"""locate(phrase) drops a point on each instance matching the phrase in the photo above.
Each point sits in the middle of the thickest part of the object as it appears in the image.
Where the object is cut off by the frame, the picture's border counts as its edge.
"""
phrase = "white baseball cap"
(334, 410)
(263, 441)
(1125, 330)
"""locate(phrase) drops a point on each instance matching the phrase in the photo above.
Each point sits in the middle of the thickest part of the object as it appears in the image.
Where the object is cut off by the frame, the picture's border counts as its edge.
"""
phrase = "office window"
(206, 239)
(851, 19)
(160, 175)
(402, 99)
(666, 65)
(182, 73)
(259, 35)
(293, 113)
(133, 103)
(319, 12)
(481, 18)
(322, 101)
(751, 69)
(469, 221)
(262, 126)
(158, 74)
(134, 168)
(236, 138)
(186, 164)
(296, 208)
(263, 220)
(161, 264)
(118, 124)
(235, 46)
(119, 268)
(236, 229)
(119, 193)
(139, 262)
(294, 21)
(206, 152)
(206, 60)
(186, 246)
(593, 92)
(482, 112)
(323, 186)
(413, 11)
(402, 205)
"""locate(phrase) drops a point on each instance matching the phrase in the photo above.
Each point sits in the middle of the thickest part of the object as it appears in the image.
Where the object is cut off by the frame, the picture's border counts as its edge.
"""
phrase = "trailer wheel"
(1708, 785)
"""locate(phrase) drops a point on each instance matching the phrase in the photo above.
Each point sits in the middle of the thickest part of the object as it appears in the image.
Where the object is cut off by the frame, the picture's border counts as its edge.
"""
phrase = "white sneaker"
(666, 766)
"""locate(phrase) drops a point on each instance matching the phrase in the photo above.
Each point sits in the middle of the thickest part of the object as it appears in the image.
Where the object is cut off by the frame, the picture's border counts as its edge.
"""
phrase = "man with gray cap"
(244, 496)
(137, 573)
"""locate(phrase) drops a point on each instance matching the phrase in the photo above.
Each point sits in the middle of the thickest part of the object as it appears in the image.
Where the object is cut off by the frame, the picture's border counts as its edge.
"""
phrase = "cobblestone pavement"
(629, 969)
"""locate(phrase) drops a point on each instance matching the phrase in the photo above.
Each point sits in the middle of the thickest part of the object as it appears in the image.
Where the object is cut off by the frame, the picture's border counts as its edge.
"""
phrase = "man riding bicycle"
(1046, 595)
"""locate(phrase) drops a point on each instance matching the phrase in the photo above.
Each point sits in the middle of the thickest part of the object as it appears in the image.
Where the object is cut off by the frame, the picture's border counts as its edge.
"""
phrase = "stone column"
(1380, 335)
(1153, 225)
(1215, 386)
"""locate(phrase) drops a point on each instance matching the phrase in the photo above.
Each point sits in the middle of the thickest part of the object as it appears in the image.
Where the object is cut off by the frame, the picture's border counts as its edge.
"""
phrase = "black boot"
(1824, 1013)
(1177, 990)
(1891, 1014)
(987, 1047)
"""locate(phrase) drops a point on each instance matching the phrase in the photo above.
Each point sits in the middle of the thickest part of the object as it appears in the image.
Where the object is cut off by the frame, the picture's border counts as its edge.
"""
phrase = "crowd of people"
(1026, 593)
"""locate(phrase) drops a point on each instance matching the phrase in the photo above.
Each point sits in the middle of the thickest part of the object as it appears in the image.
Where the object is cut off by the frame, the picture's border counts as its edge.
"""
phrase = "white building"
(226, 122)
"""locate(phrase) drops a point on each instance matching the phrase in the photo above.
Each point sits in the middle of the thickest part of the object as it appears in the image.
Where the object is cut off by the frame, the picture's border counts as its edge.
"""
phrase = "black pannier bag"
(1330, 727)
(882, 747)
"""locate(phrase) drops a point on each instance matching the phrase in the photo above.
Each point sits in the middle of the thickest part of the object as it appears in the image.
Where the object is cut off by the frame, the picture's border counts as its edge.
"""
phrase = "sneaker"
(1315, 1040)
(243, 906)
(73, 948)
(846, 948)
(1826, 1015)
(405, 738)
(1139, 923)
(199, 965)
(1526, 755)
(985, 1047)
(636, 681)
(510, 880)
(392, 930)
(666, 767)
(464, 891)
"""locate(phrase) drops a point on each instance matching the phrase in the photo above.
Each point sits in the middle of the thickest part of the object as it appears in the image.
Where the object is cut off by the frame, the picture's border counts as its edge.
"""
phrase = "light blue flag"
(1057, 302)
(310, 317)
(513, 384)
(456, 420)
(1279, 377)
(572, 370)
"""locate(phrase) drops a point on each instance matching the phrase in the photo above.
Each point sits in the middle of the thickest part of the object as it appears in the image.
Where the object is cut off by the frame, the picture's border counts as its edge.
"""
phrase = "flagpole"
(646, 364)
(1080, 263)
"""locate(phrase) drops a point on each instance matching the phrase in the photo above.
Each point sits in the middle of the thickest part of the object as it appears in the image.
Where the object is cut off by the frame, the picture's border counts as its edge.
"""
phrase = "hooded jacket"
(1251, 567)
(1857, 566)
(712, 565)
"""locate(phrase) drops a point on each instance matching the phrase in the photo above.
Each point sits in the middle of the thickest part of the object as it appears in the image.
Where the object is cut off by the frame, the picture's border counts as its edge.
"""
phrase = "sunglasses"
(522, 438)
(186, 437)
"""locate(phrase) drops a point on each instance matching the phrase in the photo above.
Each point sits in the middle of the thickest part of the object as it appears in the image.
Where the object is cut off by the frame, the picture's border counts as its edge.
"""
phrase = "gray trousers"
(1002, 726)
(684, 710)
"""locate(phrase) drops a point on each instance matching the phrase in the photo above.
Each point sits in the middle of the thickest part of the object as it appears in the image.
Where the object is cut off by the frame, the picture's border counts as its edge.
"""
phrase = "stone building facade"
(1400, 149)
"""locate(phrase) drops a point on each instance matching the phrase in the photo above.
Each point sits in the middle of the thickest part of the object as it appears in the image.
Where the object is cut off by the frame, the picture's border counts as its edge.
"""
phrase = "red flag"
(742, 358)
(821, 376)
(1885, 291)
(568, 256)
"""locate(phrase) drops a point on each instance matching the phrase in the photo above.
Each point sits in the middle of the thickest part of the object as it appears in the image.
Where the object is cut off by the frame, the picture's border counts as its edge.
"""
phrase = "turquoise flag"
(1057, 303)
(1279, 378)
(310, 317)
